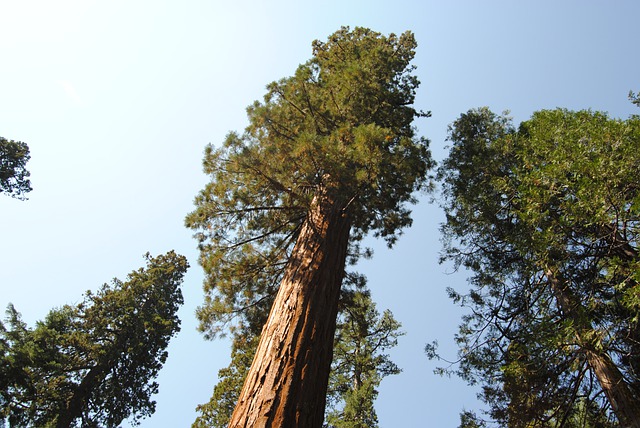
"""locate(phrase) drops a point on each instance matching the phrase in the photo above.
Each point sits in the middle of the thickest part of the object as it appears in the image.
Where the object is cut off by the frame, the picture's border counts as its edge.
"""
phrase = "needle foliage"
(14, 176)
(93, 364)
(547, 219)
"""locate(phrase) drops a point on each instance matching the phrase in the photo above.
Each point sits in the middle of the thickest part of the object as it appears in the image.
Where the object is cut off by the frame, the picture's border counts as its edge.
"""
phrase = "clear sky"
(117, 100)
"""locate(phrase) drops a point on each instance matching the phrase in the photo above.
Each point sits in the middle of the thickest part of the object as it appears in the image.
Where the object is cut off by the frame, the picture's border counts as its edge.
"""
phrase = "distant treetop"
(14, 180)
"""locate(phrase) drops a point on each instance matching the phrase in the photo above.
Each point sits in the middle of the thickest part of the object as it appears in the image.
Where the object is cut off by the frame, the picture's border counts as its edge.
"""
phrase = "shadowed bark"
(78, 400)
(623, 401)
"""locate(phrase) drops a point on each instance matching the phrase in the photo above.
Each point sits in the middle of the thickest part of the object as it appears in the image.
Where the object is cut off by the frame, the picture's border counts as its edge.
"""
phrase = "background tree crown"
(14, 176)
(95, 363)
(546, 216)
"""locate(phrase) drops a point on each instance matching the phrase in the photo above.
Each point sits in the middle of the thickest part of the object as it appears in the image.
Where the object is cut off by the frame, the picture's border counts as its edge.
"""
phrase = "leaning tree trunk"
(80, 397)
(287, 383)
(624, 403)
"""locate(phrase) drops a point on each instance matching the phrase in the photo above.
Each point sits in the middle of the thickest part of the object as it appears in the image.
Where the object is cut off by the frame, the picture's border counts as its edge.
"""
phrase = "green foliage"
(14, 177)
(93, 364)
(556, 198)
(359, 362)
(341, 124)
(634, 97)
(471, 420)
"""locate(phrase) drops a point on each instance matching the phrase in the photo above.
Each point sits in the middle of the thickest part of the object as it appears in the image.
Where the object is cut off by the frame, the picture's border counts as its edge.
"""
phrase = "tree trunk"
(287, 383)
(78, 401)
(624, 403)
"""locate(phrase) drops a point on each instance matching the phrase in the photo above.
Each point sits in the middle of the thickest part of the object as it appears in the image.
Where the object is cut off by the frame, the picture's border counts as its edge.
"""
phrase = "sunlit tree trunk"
(287, 383)
(624, 403)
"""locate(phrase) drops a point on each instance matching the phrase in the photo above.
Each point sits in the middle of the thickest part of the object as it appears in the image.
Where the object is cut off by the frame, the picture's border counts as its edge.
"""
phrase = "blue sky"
(117, 101)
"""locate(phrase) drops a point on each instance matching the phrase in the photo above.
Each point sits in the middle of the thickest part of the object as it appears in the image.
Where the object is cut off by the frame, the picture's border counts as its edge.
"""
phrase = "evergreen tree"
(547, 217)
(359, 362)
(93, 364)
(14, 177)
(329, 156)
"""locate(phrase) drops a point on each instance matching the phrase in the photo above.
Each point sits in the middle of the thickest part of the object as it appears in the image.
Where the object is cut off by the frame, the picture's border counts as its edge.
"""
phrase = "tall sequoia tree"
(329, 156)
(93, 364)
(547, 217)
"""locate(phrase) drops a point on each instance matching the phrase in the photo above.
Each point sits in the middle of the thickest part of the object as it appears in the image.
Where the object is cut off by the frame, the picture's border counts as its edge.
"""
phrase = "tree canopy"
(14, 177)
(344, 122)
(547, 217)
(93, 364)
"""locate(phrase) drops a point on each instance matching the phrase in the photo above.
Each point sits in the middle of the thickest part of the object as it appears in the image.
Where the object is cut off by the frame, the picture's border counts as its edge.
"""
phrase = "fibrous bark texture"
(287, 383)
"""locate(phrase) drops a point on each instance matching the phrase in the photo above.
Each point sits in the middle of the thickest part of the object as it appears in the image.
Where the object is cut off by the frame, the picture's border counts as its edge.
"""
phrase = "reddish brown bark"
(624, 404)
(623, 401)
(287, 383)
